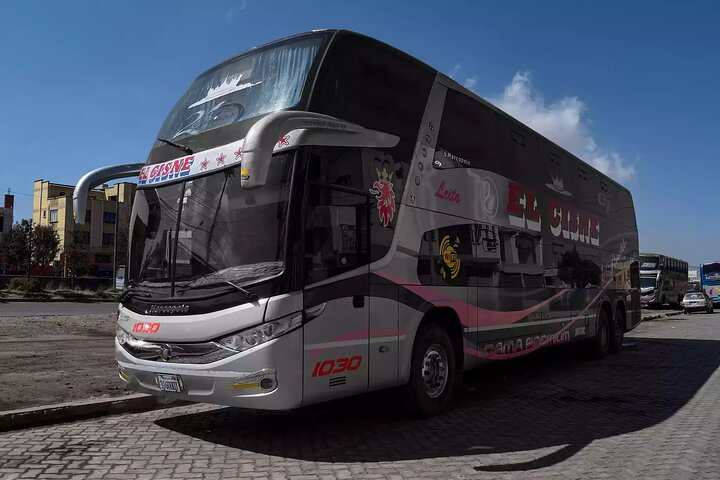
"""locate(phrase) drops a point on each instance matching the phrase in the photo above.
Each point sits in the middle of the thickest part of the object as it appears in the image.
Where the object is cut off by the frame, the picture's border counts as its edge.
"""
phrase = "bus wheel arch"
(435, 363)
(447, 319)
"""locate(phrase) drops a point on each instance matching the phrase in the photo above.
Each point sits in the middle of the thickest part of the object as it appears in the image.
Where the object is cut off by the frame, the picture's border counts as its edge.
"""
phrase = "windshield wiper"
(131, 290)
(250, 295)
(184, 148)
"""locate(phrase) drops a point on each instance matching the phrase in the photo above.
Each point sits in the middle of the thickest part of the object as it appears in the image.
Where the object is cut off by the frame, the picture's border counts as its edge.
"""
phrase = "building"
(693, 278)
(107, 215)
(6, 221)
(6, 213)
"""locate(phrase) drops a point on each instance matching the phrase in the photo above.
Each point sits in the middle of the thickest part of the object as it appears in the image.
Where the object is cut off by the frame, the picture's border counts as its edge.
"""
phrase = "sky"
(631, 87)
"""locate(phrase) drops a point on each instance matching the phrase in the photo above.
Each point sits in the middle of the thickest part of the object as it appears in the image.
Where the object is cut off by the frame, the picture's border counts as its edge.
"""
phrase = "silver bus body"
(471, 222)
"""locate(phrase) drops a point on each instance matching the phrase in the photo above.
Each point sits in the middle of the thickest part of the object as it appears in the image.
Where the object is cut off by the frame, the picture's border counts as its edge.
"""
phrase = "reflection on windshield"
(711, 268)
(223, 233)
(237, 274)
(647, 282)
(262, 82)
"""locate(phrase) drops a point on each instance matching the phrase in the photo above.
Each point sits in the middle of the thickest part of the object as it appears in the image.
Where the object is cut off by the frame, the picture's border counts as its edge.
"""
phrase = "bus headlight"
(252, 337)
(122, 336)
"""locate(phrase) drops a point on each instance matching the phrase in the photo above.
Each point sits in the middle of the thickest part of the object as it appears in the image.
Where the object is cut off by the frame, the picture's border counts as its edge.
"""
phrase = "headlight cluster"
(122, 336)
(252, 337)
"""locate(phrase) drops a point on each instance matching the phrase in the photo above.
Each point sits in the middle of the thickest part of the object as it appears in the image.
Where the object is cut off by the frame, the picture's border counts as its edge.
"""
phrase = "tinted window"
(467, 134)
(376, 86)
(369, 173)
(335, 232)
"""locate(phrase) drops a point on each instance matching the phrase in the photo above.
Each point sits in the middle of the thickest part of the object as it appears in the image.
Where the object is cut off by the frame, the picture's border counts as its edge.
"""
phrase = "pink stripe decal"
(507, 356)
(465, 311)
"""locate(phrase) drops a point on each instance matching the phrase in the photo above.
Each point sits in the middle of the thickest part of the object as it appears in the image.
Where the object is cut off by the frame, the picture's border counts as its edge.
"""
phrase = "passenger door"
(336, 295)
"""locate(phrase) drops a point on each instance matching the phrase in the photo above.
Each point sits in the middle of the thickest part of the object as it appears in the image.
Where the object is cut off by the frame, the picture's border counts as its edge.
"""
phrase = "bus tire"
(617, 332)
(601, 341)
(433, 373)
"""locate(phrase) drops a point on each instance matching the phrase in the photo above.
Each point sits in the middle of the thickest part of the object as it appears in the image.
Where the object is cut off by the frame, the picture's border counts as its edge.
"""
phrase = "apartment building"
(107, 215)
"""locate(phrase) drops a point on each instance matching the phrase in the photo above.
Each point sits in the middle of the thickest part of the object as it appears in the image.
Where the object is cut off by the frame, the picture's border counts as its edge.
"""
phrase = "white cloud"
(470, 82)
(230, 14)
(457, 75)
(562, 121)
(455, 71)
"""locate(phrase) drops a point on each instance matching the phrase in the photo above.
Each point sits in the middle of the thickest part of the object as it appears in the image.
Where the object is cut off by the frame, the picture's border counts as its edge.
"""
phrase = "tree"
(16, 245)
(75, 257)
(46, 244)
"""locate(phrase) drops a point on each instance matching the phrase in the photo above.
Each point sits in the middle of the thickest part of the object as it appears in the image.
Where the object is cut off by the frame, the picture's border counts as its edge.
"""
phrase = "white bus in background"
(325, 215)
(663, 279)
(694, 284)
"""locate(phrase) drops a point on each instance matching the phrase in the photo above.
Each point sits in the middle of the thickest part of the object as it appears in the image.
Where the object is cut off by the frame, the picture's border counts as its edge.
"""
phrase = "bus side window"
(335, 232)
(336, 214)
(467, 135)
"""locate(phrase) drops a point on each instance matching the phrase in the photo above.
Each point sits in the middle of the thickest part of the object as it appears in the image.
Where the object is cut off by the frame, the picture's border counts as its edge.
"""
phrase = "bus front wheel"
(433, 372)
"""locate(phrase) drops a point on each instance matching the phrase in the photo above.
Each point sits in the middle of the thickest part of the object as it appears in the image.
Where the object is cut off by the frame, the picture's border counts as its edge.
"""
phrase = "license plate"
(169, 383)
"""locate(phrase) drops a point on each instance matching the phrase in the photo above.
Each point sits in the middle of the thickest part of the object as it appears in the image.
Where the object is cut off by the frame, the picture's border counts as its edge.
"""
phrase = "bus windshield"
(711, 273)
(263, 81)
(210, 231)
(647, 282)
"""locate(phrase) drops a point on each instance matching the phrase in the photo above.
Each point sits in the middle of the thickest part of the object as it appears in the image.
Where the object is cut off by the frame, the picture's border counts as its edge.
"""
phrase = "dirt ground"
(53, 359)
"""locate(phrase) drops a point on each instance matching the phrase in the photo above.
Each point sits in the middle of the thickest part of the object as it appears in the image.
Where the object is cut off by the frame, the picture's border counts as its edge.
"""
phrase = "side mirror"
(97, 177)
(307, 128)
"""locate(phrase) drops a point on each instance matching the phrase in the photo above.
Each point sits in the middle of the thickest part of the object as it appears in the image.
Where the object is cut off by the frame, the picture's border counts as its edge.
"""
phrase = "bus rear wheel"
(617, 332)
(601, 341)
(433, 372)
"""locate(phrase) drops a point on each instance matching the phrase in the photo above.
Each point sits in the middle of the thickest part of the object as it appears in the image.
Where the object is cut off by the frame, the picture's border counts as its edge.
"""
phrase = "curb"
(80, 410)
(661, 315)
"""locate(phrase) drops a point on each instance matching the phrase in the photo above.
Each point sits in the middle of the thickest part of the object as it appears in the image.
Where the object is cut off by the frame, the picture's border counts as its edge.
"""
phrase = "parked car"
(120, 278)
(697, 301)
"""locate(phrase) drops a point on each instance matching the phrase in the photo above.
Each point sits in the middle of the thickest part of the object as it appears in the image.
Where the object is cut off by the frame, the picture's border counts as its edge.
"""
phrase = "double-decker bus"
(663, 279)
(710, 280)
(325, 215)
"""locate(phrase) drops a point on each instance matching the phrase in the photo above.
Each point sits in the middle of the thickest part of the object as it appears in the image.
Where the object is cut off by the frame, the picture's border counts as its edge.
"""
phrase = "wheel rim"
(435, 371)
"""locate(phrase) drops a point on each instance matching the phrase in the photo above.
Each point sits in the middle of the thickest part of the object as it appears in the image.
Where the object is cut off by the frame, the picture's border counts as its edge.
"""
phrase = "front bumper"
(233, 381)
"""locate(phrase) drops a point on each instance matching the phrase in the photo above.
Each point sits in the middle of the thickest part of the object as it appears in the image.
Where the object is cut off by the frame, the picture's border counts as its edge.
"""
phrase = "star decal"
(204, 164)
(221, 159)
(238, 153)
(284, 141)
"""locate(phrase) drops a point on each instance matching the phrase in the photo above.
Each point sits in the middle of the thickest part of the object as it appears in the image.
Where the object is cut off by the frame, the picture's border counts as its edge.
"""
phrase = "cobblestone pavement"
(650, 412)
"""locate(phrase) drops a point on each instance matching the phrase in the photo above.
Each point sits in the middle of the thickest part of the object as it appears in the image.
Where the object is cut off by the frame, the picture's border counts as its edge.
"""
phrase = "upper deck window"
(260, 82)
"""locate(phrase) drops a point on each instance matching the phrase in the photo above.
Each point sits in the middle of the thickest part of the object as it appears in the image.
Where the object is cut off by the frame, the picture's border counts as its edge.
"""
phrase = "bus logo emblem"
(382, 188)
(558, 185)
(450, 257)
(488, 197)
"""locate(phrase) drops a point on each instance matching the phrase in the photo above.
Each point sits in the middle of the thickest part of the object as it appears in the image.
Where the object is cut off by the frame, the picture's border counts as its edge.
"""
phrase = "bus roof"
(446, 80)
